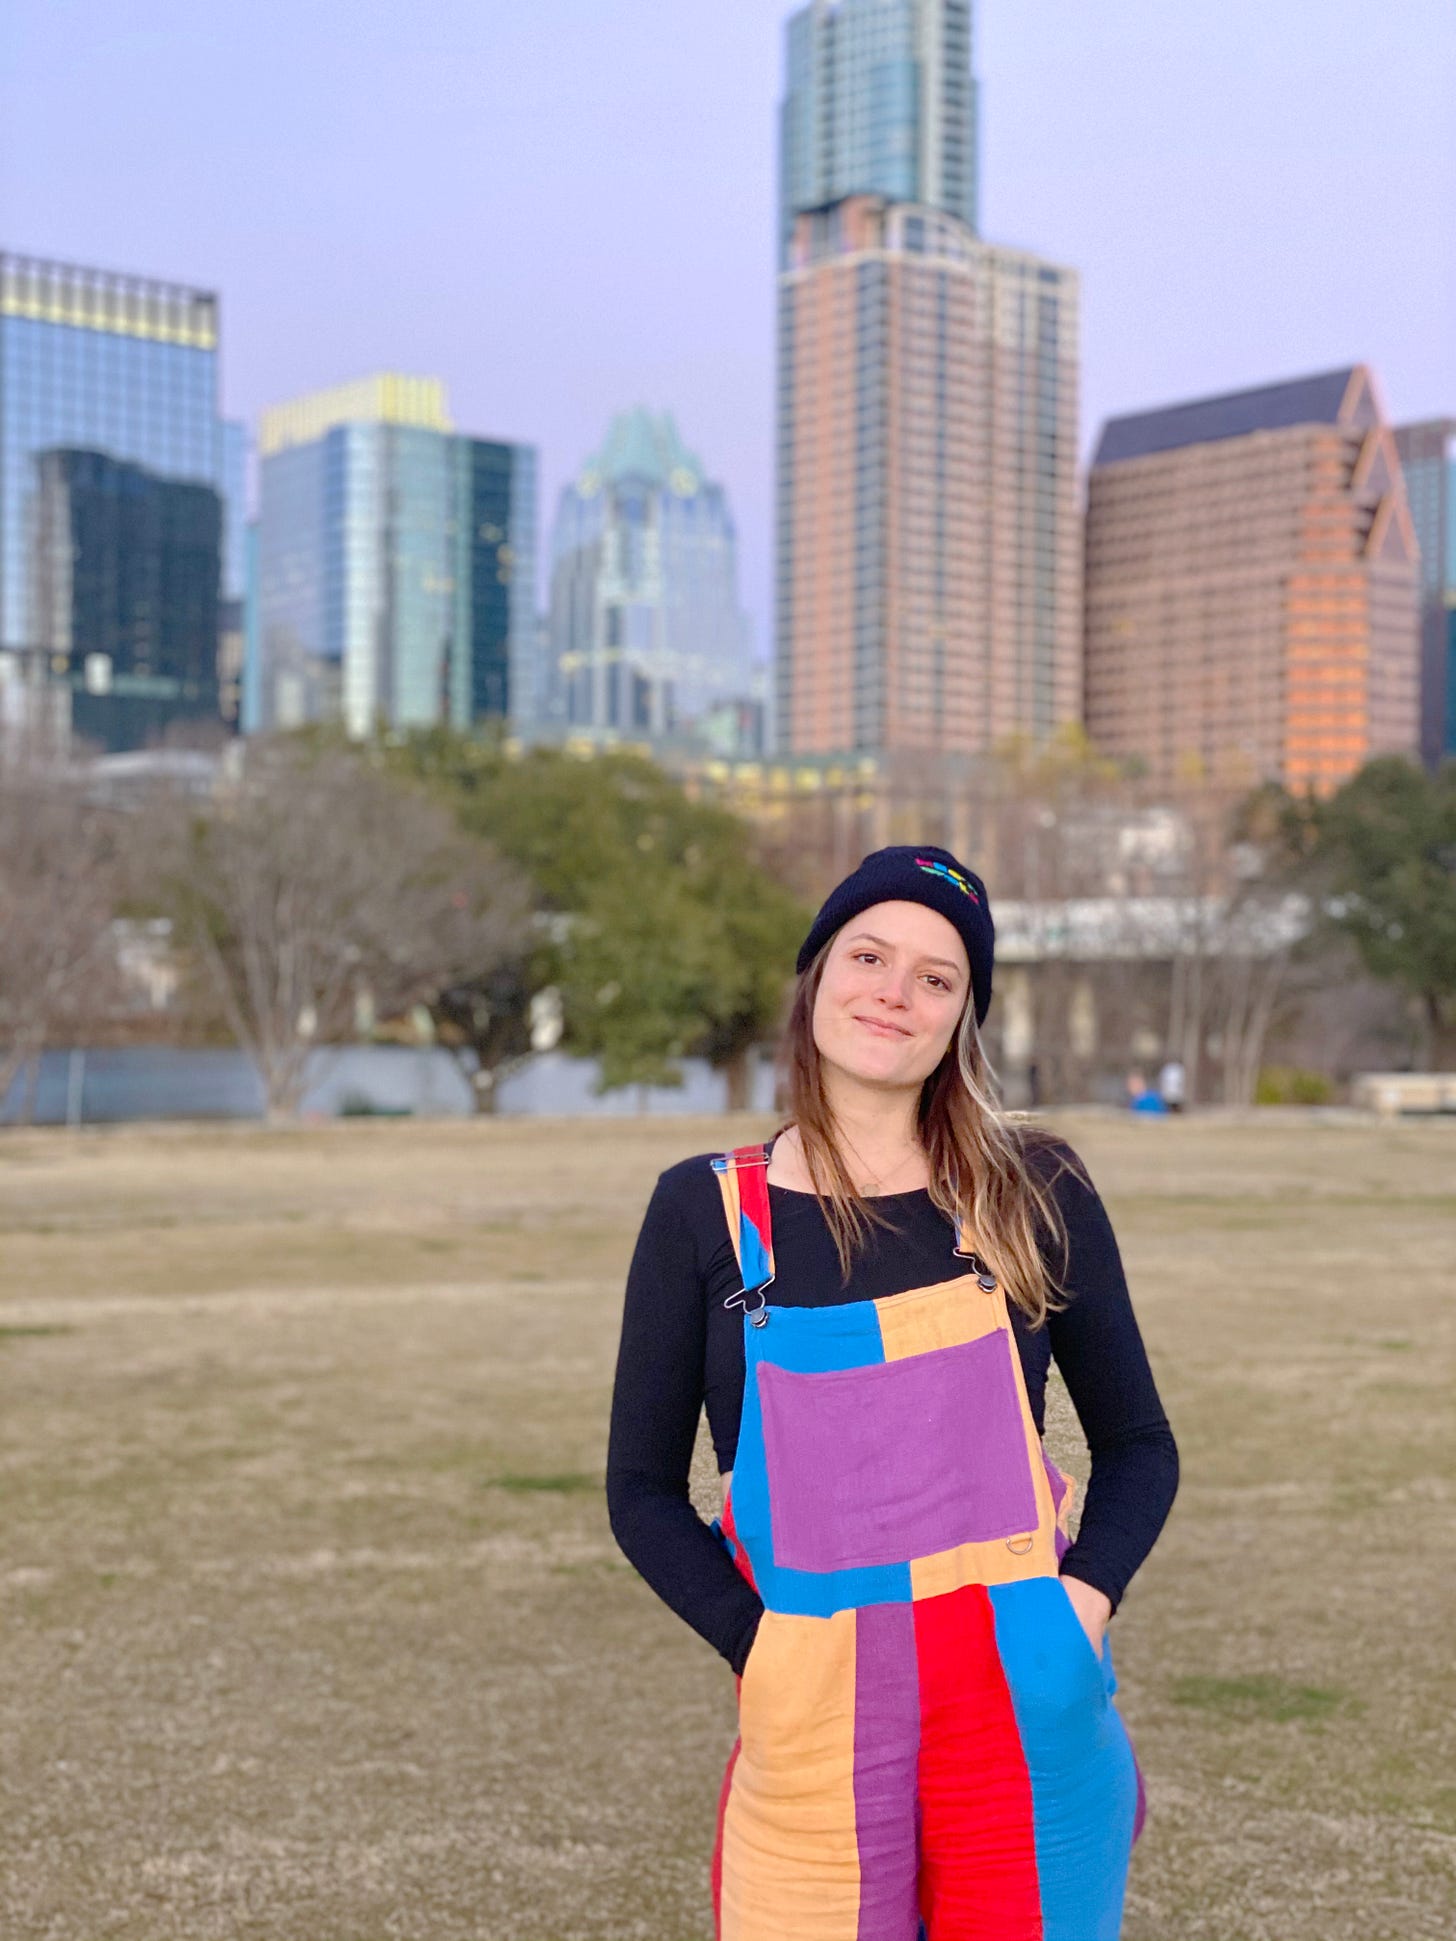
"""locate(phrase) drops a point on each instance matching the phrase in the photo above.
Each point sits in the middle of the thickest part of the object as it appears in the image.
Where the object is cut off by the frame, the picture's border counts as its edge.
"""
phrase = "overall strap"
(965, 1251)
(743, 1182)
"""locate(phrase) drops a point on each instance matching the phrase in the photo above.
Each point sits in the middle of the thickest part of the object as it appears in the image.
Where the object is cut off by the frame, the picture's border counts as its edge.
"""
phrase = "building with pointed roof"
(647, 641)
(1251, 587)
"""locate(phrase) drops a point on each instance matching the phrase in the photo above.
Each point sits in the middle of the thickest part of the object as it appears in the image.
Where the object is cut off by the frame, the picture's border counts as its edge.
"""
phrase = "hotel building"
(1252, 587)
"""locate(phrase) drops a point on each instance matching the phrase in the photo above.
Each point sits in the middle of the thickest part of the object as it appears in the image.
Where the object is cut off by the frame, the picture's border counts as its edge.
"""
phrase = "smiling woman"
(868, 1304)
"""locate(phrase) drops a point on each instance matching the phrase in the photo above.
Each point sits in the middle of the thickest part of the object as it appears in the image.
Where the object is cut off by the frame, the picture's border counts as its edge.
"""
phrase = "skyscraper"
(1428, 459)
(395, 564)
(648, 641)
(928, 563)
(1252, 586)
(928, 570)
(111, 501)
(879, 99)
(232, 606)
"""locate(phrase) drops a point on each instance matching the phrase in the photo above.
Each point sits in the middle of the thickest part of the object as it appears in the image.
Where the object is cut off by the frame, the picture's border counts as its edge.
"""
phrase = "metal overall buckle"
(757, 1316)
(985, 1279)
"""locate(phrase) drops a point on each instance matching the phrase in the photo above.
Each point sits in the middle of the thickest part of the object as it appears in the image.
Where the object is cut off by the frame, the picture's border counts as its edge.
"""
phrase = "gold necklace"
(879, 1181)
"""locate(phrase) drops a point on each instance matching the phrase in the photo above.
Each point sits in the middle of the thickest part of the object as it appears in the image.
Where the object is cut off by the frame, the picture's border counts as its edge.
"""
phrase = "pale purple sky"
(564, 207)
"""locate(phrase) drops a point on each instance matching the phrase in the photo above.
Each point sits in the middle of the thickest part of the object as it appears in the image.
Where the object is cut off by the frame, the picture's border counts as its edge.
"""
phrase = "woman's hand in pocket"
(749, 1653)
(1093, 1608)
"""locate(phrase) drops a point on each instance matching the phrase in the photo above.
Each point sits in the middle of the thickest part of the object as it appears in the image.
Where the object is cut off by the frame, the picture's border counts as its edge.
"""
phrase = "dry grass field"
(313, 1628)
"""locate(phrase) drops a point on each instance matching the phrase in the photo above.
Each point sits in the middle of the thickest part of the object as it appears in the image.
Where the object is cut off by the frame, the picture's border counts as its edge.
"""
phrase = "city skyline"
(1141, 150)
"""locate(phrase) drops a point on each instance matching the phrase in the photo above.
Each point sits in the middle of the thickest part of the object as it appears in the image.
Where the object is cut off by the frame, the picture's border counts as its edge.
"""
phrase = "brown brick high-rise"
(1251, 587)
(928, 552)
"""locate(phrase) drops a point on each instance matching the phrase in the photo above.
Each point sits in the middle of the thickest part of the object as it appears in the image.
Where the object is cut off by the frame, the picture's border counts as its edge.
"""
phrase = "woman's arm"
(656, 1402)
(1099, 1348)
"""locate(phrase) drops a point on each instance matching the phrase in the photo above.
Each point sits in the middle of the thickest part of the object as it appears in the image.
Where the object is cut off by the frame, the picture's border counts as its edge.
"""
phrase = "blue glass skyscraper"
(395, 564)
(111, 501)
(879, 99)
(1428, 459)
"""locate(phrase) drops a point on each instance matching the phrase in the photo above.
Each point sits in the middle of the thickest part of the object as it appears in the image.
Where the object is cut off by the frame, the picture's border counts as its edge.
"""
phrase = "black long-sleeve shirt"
(680, 1347)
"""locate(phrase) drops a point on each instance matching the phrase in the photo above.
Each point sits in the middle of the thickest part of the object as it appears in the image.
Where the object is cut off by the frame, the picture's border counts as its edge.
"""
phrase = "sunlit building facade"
(1428, 459)
(928, 583)
(879, 99)
(1252, 587)
(648, 642)
(395, 563)
(113, 478)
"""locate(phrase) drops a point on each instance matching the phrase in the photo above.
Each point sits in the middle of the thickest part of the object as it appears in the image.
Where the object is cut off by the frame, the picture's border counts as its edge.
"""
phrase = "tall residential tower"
(928, 558)
(879, 99)
(928, 595)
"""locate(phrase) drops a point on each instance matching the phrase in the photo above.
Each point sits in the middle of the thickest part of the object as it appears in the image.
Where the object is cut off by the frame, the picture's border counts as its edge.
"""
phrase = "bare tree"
(315, 885)
(1256, 936)
(1239, 926)
(58, 895)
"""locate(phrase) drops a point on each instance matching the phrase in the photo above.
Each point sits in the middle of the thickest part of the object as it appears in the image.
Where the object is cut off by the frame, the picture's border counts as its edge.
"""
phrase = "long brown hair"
(983, 1164)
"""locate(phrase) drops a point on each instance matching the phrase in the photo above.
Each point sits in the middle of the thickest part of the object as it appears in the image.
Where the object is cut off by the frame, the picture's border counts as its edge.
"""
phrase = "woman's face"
(895, 983)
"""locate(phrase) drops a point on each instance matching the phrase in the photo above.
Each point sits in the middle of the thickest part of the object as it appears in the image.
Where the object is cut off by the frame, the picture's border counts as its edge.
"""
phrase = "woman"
(867, 1305)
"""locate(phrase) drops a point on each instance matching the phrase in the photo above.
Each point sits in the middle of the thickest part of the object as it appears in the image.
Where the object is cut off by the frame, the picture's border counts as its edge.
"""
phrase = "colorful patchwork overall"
(928, 1748)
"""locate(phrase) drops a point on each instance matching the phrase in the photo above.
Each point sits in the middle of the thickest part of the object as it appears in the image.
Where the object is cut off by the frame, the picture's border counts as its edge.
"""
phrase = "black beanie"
(907, 874)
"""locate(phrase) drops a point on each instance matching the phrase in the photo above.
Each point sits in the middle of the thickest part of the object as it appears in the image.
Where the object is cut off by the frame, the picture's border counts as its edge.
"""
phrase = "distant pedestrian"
(1172, 1084)
(1141, 1096)
(868, 1303)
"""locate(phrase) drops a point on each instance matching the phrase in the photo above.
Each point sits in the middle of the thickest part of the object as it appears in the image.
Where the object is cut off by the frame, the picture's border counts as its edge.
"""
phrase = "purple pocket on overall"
(896, 1460)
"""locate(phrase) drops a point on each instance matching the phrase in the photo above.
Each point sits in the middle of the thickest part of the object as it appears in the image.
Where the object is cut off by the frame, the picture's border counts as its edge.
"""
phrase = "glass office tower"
(232, 602)
(1428, 459)
(879, 99)
(111, 475)
(396, 562)
(648, 641)
(124, 597)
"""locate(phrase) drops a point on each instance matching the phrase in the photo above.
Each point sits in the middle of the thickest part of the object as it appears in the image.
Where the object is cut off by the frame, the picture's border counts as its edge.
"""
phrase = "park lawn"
(314, 1629)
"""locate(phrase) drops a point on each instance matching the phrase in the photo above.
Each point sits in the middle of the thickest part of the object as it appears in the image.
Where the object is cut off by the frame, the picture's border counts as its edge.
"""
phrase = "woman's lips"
(882, 1030)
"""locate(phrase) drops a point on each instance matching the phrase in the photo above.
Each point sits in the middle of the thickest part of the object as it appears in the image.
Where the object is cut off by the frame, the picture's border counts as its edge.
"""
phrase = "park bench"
(1391, 1095)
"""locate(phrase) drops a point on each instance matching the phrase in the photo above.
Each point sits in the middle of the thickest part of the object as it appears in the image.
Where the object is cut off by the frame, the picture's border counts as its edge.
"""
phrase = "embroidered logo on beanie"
(950, 875)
